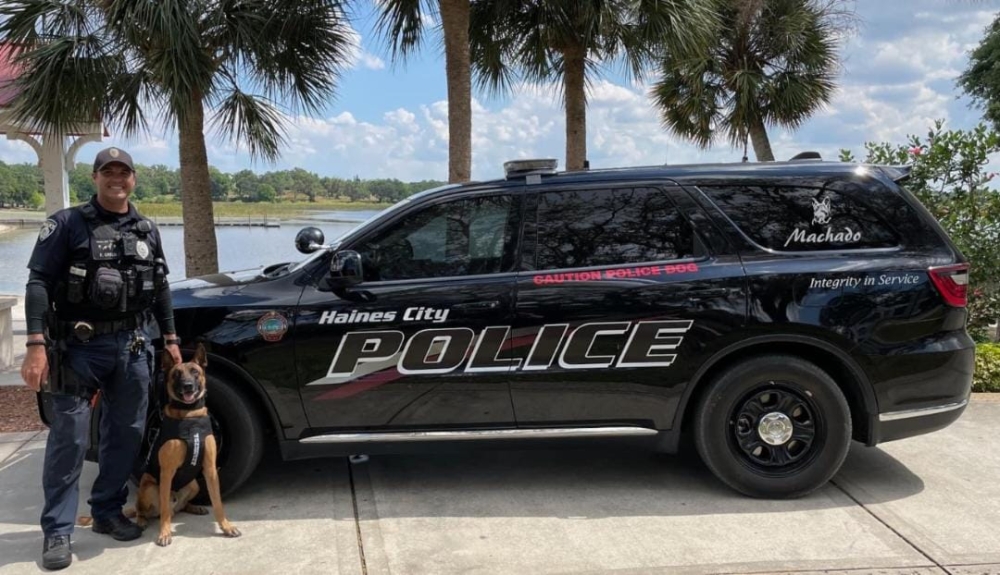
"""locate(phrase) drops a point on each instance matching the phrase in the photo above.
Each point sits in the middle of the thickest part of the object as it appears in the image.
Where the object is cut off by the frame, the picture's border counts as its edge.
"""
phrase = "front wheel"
(238, 435)
(238, 432)
(774, 427)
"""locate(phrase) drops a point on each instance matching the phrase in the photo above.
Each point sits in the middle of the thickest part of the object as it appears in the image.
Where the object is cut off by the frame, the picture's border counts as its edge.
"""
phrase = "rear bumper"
(922, 388)
(910, 422)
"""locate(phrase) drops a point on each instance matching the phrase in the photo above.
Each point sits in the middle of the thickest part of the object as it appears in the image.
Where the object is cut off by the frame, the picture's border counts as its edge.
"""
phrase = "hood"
(232, 280)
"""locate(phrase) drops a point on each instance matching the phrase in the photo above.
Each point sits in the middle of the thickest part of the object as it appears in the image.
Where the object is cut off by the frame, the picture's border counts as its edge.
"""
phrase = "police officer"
(97, 273)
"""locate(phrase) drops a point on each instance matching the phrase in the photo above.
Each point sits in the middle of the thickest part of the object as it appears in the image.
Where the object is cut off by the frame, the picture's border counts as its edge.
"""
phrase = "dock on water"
(162, 222)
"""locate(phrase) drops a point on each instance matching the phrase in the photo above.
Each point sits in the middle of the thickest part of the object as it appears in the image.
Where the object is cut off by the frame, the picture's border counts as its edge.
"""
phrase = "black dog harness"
(193, 431)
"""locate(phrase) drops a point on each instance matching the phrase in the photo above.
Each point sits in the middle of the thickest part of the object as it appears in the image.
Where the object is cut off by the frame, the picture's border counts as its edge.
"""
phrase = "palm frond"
(242, 117)
(25, 23)
(490, 50)
(66, 63)
(776, 64)
(400, 24)
(293, 50)
(131, 93)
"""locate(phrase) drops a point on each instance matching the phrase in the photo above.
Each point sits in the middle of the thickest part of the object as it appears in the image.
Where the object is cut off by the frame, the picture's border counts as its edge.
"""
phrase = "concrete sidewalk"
(925, 505)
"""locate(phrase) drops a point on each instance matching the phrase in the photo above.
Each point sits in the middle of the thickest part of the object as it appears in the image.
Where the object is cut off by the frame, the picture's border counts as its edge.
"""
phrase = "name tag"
(105, 250)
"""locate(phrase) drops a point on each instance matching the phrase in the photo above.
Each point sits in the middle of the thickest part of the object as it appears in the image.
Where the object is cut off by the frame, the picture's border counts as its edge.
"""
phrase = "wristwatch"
(175, 340)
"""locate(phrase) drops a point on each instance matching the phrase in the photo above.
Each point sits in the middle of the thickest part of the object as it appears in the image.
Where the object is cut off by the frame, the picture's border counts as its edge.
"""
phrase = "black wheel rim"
(787, 409)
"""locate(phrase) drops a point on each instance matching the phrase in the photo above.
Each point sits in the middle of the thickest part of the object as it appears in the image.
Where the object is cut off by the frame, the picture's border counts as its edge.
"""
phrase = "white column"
(55, 159)
(55, 174)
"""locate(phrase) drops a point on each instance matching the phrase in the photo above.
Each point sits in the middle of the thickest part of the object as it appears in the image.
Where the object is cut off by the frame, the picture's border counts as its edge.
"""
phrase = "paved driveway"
(924, 505)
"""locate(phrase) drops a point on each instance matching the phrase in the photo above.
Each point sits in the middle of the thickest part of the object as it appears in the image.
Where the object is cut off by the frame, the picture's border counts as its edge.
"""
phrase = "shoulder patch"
(48, 226)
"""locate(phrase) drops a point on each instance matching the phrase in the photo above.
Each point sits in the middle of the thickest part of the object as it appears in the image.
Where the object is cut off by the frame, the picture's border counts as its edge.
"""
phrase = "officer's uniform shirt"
(65, 238)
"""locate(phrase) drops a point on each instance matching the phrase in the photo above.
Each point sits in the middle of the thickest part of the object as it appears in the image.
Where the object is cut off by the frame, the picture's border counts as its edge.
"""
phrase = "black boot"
(118, 527)
(57, 552)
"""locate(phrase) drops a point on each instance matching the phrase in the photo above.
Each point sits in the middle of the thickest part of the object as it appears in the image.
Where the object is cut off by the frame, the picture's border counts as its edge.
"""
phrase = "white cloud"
(371, 61)
(357, 56)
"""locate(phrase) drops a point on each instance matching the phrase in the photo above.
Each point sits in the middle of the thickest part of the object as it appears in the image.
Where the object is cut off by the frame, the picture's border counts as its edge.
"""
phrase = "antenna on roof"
(806, 156)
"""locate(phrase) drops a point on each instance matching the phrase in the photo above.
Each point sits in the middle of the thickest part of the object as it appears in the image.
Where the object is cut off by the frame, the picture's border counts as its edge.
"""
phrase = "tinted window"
(609, 227)
(462, 237)
(803, 219)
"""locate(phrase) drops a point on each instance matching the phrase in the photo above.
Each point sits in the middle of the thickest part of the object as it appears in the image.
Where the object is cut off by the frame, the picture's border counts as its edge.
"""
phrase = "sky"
(389, 120)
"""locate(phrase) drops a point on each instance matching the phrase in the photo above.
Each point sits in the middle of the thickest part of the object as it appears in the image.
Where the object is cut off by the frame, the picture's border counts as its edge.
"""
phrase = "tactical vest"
(120, 275)
(191, 430)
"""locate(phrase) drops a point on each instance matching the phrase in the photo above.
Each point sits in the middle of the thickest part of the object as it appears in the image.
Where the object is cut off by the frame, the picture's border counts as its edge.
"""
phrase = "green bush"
(951, 176)
(987, 376)
(36, 200)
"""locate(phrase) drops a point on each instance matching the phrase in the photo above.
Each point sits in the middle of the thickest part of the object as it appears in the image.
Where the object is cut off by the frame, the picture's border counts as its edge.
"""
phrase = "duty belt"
(83, 330)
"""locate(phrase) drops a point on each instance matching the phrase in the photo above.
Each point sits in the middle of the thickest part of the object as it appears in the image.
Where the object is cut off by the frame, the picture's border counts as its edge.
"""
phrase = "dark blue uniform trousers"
(106, 363)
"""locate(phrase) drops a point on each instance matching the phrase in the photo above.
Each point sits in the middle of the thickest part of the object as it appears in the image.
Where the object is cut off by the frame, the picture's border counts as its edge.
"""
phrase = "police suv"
(770, 312)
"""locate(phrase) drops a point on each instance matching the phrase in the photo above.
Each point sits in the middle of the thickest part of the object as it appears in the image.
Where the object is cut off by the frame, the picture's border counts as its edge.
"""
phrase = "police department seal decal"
(48, 226)
(272, 326)
(142, 249)
(113, 152)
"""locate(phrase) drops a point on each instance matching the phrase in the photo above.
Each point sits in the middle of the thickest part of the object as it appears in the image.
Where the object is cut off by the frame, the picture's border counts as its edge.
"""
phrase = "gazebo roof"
(9, 73)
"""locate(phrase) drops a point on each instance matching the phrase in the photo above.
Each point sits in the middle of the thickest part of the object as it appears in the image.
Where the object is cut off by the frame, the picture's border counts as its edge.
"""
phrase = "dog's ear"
(166, 361)
(200, 357)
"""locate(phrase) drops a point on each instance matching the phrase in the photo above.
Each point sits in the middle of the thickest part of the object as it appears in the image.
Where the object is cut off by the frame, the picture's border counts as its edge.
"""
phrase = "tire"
(804, 438)
(238, 434)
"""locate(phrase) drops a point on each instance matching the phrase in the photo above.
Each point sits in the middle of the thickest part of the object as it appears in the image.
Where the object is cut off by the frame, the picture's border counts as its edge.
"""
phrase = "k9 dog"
(184, 448)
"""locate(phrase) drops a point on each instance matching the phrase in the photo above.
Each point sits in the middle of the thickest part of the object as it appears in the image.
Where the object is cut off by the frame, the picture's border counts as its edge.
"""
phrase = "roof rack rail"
(515, 168)
(809, 155)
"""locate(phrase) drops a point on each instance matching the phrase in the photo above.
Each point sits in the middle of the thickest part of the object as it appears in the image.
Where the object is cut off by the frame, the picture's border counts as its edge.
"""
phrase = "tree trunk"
(574, 63)
(455, 24)
(761, 144)
(201, 255)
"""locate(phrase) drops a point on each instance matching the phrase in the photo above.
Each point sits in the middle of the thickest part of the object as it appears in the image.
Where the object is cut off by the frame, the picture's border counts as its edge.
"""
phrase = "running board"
(485, 434)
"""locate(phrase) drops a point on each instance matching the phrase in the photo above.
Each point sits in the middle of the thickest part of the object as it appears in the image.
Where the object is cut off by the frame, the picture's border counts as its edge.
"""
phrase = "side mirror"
(345, 269)
(309, 240)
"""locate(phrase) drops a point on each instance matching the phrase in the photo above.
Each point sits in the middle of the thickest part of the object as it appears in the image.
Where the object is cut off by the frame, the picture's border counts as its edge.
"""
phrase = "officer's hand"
(35, 368)
(175, 352)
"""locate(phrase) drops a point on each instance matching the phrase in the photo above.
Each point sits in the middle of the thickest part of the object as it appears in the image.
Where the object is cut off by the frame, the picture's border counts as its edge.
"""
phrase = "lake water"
(239, 247)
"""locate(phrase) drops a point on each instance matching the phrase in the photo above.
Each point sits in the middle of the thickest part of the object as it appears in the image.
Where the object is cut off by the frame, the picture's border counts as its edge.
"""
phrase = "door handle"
(478, 305)
(710, 292)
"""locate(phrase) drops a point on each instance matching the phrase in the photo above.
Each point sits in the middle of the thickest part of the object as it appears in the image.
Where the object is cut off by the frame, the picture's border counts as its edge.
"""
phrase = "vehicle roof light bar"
(516, 168)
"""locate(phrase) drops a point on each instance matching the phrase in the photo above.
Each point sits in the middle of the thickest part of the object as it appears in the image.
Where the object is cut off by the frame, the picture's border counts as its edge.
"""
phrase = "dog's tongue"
(189, 396)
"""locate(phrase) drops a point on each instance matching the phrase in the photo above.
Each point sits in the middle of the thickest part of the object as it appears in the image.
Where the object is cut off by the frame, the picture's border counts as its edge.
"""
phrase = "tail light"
(952, 282)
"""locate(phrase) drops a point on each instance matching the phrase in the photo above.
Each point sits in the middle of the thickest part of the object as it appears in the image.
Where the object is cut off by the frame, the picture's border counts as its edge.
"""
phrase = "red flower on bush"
(916, 150)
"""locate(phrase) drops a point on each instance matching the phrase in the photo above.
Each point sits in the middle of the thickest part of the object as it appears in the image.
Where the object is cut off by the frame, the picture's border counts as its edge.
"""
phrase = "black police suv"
(770, 312)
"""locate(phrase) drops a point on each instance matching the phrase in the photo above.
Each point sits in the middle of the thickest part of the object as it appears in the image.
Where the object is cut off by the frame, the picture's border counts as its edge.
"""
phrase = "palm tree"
(773, 62)
(402, 22)
(566, 40)
(126, 60)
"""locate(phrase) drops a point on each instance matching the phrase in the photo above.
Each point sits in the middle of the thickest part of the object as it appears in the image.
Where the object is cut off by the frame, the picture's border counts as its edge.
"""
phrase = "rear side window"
(803, 218)
(609, 227)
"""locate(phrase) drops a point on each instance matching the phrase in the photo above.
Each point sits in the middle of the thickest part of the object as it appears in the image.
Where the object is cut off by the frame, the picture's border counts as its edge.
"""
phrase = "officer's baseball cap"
(110, 156)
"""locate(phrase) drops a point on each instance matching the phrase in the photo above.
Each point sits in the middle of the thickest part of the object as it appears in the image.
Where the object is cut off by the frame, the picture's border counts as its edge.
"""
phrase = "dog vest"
(193, 431)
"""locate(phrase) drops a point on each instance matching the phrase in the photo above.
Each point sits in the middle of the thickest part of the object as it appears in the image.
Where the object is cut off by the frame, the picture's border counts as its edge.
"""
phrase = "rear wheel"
(774, 426)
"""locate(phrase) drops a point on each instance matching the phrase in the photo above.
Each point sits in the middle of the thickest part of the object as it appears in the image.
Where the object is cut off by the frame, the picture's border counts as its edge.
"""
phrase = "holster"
(62, 379)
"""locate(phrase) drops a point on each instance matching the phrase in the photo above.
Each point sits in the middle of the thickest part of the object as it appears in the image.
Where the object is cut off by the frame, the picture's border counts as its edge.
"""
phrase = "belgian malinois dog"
(184, 449)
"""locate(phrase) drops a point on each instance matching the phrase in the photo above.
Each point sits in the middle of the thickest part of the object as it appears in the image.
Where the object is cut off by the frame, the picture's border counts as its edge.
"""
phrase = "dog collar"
(188, 406)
